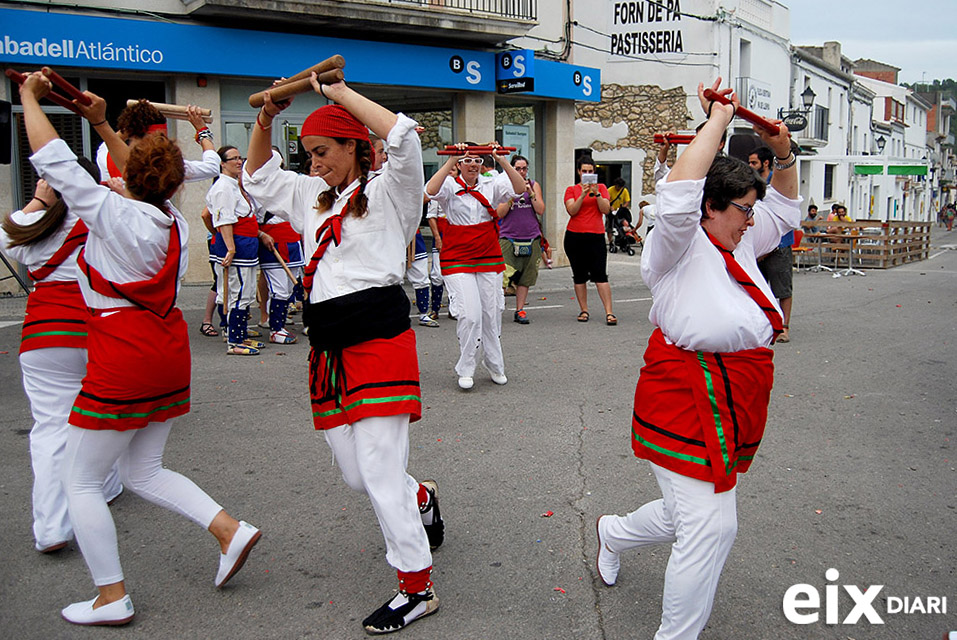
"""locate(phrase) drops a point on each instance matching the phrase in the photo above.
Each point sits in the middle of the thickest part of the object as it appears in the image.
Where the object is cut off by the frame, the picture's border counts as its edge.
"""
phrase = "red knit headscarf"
(334, 121)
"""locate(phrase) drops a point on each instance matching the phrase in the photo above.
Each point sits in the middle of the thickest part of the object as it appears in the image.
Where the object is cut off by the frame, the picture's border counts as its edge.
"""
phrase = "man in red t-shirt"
(587, 203)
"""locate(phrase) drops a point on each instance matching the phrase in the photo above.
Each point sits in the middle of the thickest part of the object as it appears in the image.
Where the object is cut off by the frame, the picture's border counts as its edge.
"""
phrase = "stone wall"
(647, 110)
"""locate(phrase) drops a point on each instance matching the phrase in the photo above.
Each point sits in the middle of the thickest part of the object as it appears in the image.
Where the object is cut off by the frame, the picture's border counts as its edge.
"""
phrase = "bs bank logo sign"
(802, 604)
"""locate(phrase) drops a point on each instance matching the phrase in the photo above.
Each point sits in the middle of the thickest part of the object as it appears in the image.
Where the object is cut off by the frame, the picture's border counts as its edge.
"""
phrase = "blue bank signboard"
(32, 38)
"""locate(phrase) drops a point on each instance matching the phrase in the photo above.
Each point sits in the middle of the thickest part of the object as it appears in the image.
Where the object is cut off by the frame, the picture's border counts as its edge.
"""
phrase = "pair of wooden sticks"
(53, 96)
(329, 71)
(168, 110)
(476, 150)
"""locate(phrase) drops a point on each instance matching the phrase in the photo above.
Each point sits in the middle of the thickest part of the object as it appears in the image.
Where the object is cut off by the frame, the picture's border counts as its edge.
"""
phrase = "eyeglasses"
(521, 168)
(747, 209)
(240, 158)
(471, 161)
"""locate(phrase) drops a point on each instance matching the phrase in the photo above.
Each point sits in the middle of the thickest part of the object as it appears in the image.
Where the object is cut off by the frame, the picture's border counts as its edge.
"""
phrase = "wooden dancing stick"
(743, 113)
(674, 138)
(452, 150)
(175, 111)
(329, 71)
(53, 96)
(226, 297)
(285, 267)
(329, 64)
(72, 91)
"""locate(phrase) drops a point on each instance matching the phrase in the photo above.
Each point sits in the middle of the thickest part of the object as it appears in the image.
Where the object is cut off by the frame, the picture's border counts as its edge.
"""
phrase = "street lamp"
(807, 98)
(881, 142)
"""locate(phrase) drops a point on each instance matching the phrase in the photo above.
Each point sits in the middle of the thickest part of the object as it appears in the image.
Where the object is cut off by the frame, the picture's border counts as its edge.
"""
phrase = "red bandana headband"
(153, 128)
(334, 121)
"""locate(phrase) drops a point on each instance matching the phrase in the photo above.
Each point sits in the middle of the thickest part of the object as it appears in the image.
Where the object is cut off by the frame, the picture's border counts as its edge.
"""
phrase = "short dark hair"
(813, 206)
(727, 179)
(583, 160)
(517, 157)
(763, 153)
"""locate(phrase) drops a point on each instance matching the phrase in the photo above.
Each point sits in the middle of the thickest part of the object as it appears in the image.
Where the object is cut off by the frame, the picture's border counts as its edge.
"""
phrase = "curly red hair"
(154, 170)
(135, 120)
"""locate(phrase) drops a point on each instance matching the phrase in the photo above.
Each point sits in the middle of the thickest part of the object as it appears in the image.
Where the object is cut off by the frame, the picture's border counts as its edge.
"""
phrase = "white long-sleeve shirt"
(35, 255)
(696, 303)
(466, 209)
(372, 251)
(128, 239)
(227, 205)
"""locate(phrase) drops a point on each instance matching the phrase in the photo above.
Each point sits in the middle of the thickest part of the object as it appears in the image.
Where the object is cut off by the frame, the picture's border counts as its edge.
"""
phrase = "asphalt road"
(857, 472)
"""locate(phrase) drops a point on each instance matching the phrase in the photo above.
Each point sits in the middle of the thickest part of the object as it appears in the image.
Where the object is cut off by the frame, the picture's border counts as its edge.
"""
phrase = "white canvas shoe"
(607, 561)
(115, 613)
(232, 561)
(466, 382)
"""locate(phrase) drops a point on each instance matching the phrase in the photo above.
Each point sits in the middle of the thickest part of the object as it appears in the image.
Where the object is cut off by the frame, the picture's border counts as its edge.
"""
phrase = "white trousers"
(51, 378)
(418, 273)
(700, 525)
(242, 286)
(89, 456)
(373, 454)
(278, 284)
(477, 301)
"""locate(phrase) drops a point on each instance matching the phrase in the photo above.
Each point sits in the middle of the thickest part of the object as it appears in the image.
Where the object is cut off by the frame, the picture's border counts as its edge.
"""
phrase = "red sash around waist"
(157, 295)
(701, 414)
(378, 377)
(281, 232)
(471, 248)
(248, 227)
(138, 370)
(56, 317)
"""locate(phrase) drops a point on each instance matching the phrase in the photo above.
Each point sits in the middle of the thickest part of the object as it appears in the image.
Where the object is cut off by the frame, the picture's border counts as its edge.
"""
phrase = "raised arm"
(96, 114)
(435, 182)
(518, 182)
(785, 178)
(39, 130)
(260, 140)
(373, 115)
(694, 163)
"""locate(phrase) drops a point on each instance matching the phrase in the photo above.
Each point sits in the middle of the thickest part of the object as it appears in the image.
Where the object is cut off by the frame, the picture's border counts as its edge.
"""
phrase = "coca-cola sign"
(795, 122)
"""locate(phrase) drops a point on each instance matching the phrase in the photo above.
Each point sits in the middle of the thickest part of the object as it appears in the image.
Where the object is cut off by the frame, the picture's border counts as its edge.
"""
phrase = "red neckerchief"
(474, 192)
(328, 231)
(74, 239)
(157, 294)
(741, 277)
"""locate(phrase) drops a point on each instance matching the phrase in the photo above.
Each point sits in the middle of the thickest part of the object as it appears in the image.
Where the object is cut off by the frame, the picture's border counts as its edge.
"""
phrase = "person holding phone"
(587, 203)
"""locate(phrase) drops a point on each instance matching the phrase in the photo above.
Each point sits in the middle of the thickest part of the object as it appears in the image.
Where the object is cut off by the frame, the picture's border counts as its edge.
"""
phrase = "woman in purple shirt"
(520, 233)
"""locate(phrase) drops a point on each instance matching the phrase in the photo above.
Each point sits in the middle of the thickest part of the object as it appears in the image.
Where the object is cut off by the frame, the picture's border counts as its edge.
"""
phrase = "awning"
(892, 170)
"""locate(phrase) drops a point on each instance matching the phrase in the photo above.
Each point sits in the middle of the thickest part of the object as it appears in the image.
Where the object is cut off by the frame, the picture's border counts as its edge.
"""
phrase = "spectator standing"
(618, 197)
(587, 203)
(776, 265)
(520, 236)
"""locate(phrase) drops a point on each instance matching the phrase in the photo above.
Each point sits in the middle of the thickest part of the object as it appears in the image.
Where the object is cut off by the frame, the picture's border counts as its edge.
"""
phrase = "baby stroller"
(625, 237)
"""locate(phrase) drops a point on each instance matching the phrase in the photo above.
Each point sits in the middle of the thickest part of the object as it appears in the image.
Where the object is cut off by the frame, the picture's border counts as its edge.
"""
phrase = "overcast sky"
(919, 36)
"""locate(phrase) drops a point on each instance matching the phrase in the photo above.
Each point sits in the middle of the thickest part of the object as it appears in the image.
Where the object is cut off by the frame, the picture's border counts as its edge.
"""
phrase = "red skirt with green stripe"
(701, 414)
(56, 317)
(377, 377)
(472, 248)
(138, 371)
